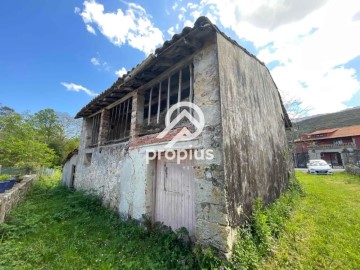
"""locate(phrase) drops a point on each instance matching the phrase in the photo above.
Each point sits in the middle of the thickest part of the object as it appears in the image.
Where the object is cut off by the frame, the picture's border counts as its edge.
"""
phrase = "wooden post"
(168, 94)
(179, 91)
(149, 111)
(159, 103)
(191, 83)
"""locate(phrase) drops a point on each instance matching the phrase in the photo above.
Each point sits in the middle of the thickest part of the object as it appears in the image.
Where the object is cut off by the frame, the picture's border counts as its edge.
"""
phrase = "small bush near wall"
(256, 237)
(352, 169)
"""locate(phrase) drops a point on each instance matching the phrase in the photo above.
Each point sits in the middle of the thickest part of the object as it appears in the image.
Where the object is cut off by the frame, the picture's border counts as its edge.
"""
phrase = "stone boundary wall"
(353, 169)
(11, 197)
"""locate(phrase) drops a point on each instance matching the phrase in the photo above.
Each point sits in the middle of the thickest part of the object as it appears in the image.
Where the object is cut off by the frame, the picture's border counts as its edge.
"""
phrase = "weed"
(4, 177)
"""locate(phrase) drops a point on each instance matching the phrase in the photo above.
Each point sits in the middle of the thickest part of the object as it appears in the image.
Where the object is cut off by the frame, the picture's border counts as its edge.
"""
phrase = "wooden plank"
(171, 71)
(159, 104)
(168, 94)
(173, 91)
(179, 92)
(149, 110)
(117, 117)
(127, 113)
(191, 83)
(175, 194)
(127, 96)
(122, 120)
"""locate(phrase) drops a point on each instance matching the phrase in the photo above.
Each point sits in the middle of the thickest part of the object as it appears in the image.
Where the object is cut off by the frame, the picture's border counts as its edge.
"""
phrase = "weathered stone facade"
(247, 138)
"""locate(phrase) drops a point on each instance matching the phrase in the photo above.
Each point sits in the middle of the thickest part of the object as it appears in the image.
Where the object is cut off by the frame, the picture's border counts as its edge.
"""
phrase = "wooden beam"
(191, 83)
(149, 111)
(171, 71)
(179, 92)
(159, 103)
(173, 91)
(168, 94)
(193, 43)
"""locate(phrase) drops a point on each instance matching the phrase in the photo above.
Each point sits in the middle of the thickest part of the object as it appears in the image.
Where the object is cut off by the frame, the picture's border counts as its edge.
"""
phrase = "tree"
(48, 125)
(18, 144)
(70, 126)
(294, 107)
(44, 138)
(296, 110)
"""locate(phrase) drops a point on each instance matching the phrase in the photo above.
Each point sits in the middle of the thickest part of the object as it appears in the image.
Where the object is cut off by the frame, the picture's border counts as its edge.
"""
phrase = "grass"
(256, 237)
(58, 228)
(324, 229)
(4, 177)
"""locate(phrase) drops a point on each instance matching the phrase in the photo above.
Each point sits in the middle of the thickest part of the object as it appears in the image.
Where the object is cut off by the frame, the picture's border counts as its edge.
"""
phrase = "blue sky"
(59, 54)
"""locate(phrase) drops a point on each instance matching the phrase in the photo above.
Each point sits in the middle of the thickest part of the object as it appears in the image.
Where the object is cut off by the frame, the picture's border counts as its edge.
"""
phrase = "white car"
(319, 166)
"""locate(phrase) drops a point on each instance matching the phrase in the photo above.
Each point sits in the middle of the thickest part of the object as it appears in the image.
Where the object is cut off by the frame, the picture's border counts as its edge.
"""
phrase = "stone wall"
(256, 154)
(119, 173)
(67, 170)
(243, 126)
(10, 198)
(212, 224)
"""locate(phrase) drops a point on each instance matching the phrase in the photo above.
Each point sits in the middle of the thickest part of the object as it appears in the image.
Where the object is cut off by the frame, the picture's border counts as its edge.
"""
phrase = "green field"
(58, 228)
(324, 230)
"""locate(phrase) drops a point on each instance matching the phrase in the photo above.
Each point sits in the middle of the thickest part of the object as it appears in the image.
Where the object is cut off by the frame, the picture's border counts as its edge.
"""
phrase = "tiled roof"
(336, 133)
(323, 131)
(130, 81)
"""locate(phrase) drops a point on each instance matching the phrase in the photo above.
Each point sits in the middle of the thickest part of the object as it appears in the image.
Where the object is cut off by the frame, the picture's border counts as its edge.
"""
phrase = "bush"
(256, 237)
(4, 177)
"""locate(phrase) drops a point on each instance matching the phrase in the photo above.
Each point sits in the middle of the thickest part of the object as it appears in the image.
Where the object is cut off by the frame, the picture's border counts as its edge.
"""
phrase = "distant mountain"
(348, 117)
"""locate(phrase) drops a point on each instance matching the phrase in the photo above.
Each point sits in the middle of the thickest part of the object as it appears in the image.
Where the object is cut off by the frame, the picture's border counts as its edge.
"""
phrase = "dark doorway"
(333, 158)
(72, 180)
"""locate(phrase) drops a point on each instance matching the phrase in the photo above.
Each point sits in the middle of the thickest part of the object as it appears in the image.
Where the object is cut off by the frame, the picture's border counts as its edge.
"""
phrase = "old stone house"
(244, 127)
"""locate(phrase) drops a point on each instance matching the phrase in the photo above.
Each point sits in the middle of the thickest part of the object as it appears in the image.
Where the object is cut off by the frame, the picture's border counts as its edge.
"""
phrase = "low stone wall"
(352, 169)
(11, 197)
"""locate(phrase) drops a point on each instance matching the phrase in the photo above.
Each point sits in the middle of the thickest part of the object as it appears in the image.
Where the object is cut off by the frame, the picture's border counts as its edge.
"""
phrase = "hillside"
(343, 118)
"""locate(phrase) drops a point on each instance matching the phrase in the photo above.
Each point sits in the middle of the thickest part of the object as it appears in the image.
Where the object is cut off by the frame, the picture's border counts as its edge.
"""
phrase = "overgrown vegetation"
(41, 139)
(257, 236)
(323, 231)
(343, 118)
(59, 228)
(4, 177)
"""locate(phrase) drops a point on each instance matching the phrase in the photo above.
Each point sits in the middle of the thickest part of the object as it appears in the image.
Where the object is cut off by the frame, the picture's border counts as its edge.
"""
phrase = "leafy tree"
(58, 130)
(48, 125)
(18, 144)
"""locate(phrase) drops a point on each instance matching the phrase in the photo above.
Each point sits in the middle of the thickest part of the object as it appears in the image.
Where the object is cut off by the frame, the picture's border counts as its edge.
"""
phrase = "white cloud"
(175, 6)
(171, 31)
(90, 29)
(77, 10)
(121, 72)
(95, 61)
(78, 88)
(132, 27)
(309, 43)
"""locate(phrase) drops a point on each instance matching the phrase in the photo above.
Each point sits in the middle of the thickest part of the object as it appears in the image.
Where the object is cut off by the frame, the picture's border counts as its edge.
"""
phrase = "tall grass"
(257, 236)
(59, 228)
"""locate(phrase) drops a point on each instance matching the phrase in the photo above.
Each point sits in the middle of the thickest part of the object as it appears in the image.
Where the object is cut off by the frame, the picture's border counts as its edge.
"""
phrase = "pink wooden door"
(175, 192)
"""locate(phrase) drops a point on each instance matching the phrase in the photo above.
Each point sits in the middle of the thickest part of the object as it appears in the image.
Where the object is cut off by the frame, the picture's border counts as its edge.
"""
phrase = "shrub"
(258, 234)
(4, 177)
